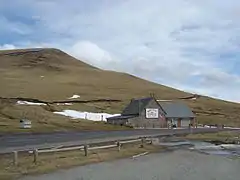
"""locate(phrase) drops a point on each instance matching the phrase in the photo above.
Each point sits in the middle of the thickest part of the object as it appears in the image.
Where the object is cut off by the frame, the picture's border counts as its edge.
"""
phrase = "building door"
(179, 123)
(174, 122)
(162, 121)
(185, 122)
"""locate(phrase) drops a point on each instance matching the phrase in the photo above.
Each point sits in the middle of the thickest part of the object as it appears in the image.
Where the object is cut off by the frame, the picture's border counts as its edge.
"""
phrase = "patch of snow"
(86, 115)
(42, 76)
(74, 97)
(206, 126)
(30, 103)
(231, 128)
(68, 104)
(209, 147)
(230, 146)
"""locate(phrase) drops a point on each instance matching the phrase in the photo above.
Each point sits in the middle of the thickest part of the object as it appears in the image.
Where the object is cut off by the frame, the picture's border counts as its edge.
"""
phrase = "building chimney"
(152, 95)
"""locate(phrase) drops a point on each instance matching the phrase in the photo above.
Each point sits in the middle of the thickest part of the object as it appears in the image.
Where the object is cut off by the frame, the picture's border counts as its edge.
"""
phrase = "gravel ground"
(177, 165)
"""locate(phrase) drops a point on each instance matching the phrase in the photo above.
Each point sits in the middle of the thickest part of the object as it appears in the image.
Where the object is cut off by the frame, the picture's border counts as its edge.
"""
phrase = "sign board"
(152, 113)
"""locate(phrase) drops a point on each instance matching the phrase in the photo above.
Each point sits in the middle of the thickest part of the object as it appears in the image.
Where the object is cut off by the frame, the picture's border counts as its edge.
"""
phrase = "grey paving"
(178, 165)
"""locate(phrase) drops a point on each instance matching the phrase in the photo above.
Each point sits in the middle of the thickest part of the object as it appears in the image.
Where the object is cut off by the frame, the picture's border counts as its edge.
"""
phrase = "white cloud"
(91, 53)
(218, 84)
(7, 46)
(177, 42)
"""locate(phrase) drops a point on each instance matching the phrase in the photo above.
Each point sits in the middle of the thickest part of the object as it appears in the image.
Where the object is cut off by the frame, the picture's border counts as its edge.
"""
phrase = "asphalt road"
(9, 143)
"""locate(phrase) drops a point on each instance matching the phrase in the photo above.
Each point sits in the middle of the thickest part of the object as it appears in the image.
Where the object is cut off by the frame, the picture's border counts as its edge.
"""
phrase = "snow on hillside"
(40, 104)
(74, 97)
(86, 115)
(29, 103)
(68, 104)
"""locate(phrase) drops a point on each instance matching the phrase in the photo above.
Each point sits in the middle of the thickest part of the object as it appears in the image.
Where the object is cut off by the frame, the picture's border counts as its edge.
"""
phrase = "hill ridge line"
(33, 100)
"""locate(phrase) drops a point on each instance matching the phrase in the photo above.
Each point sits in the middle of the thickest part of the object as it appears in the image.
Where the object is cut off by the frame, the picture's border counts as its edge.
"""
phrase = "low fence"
(86, 148)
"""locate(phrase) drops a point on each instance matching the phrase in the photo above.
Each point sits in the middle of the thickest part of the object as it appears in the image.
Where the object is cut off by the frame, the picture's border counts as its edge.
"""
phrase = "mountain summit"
(49, 59)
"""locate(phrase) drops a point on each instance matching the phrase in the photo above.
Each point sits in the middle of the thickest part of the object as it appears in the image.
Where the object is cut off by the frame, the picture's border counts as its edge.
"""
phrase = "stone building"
(149, 113)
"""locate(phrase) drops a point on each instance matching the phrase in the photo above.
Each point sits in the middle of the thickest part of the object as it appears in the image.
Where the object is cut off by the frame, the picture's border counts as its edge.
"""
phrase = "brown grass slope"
(50, 74)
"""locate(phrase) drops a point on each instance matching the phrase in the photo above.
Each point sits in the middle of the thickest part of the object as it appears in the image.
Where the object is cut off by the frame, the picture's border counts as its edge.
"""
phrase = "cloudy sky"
(191, 45)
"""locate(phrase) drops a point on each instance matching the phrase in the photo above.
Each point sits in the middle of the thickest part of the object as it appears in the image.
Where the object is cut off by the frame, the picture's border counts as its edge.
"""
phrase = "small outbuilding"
(149, 113)
(178, 114)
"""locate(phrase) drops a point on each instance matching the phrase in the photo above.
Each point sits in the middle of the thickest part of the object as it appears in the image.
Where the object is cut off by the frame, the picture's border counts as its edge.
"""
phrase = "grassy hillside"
(50, 74)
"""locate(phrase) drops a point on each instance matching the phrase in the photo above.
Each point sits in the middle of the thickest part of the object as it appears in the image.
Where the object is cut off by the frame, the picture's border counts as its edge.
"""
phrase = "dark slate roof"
(176, 109)
(136, 106)
(120, 117)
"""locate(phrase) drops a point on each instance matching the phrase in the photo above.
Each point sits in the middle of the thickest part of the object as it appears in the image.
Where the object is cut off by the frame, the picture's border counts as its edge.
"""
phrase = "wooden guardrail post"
(15, 158)
(151, 141)
(35, 156)
(142, 142)
(190, 128)
(86, 150)
(119, 145)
